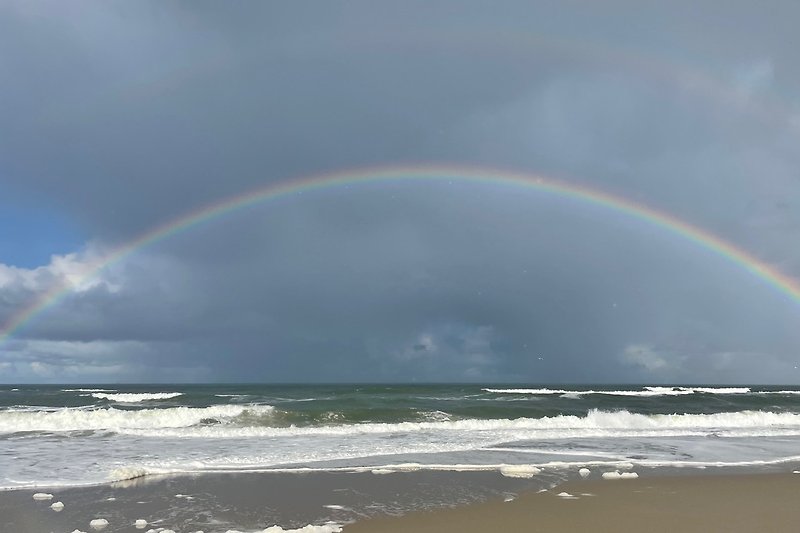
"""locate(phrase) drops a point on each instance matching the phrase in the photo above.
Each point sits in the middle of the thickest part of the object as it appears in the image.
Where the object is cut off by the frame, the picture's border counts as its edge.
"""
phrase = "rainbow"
(668, 223)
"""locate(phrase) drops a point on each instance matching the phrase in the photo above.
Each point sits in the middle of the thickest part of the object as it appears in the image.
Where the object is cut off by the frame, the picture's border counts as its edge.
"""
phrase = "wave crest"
(111, 419)
(130, 397)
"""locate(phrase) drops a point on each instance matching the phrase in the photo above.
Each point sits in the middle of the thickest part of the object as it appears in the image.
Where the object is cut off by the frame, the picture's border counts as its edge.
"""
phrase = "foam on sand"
(620, 475)
(519, 471)
(41, 496)
(98, 524)
(584, 472)
(330, 527)
(566, 496)
(140, 523)
(126, 473)
(57, 507)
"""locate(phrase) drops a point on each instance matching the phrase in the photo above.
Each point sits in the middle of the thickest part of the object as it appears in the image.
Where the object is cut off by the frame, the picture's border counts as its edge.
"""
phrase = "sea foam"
(135, 397)
(596, 423)
(330, 527)
(648, 391)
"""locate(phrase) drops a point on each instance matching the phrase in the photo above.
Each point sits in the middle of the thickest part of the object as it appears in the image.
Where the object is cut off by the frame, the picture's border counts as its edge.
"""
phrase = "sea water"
(84, 435)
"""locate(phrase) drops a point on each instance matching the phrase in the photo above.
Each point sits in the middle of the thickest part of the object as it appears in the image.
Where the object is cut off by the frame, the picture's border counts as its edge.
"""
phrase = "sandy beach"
(247, 502)
(421, 502)
(730, 503)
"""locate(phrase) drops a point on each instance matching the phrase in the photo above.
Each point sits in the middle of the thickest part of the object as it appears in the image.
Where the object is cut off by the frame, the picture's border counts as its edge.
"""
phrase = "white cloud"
(77, 271)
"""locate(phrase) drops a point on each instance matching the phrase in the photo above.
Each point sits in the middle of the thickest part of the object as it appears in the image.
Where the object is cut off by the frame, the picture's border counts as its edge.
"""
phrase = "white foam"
(526, 470)
(325, 528)
(41, 496)
(184, 422)
(620, 475)
(595, 424)
(98, 524)
(88, 390)
(648, 391)
(109, 418)
(330, 527)
(584, 472)
(436, 416)
(57, 507)
(566, 496)
(140, 523)
(78, 531)
(136, 397)
(125, 473)
(519, 471)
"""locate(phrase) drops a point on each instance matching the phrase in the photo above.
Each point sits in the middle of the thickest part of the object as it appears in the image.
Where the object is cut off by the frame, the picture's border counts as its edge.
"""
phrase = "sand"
(730, 503)
(247, 502)
(695, 501)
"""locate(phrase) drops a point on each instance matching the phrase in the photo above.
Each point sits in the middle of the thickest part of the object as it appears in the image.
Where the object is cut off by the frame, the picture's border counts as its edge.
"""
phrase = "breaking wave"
(245, 421)
(648, 391)
(595, 423)
(124, 397)
(117, 420)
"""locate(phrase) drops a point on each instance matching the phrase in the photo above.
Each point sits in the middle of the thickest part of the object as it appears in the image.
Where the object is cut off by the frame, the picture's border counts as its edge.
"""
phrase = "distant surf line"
(428, 173)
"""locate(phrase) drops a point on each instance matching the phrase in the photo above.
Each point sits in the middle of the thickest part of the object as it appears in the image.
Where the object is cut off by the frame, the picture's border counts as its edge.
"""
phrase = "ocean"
(64, 436)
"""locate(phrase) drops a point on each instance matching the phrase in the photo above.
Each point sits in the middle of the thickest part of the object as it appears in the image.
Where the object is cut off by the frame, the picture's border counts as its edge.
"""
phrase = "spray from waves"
(647, 391)
(135, 397)
(117, 420)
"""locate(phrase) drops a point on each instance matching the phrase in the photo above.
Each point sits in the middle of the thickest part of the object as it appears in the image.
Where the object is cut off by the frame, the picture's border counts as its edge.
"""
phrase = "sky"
(119, 117)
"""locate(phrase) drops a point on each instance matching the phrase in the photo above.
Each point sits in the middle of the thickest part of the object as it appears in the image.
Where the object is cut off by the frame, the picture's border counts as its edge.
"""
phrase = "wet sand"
(696, 503)
(439, 502)
(250, 501)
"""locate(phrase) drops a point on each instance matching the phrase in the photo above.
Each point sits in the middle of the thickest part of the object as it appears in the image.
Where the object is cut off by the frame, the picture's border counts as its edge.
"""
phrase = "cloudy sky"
(118, 117)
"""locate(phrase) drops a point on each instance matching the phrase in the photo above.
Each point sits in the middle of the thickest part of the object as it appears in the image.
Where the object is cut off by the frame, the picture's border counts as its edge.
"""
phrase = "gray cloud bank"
(127, 115)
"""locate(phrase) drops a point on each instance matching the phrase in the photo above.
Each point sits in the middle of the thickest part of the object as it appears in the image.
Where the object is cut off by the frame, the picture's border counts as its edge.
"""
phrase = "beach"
(697, 503)
(420, 502)
(218, 458)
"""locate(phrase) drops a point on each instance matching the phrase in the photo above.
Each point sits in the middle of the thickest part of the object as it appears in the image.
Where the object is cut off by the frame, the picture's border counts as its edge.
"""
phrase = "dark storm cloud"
(129, 115)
